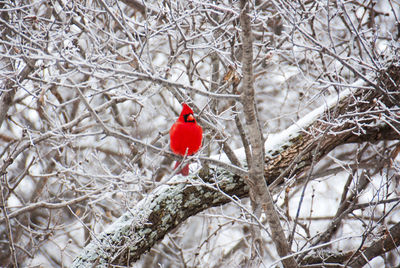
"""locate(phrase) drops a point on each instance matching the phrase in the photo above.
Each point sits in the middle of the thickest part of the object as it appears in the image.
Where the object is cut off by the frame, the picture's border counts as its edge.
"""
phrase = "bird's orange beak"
(190, 117)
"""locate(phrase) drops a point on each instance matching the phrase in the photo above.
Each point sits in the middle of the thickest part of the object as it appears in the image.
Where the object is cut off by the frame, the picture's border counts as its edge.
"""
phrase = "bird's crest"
(186, 109)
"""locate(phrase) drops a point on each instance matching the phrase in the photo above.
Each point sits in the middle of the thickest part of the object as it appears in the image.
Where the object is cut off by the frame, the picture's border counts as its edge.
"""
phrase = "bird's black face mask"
(189, 118)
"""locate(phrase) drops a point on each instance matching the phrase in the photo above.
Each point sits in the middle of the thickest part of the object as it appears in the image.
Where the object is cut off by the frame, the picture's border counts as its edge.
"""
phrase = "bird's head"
(187, 114)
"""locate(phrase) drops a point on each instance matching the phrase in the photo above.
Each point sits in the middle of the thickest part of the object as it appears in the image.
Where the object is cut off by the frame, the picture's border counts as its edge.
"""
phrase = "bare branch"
(259, 193)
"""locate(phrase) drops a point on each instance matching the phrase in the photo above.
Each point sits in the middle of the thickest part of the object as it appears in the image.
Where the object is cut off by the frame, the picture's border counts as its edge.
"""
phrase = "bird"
(185, 136)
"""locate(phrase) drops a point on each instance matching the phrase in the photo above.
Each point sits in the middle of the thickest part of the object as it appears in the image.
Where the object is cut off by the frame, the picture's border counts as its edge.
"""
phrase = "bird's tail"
(184, 171)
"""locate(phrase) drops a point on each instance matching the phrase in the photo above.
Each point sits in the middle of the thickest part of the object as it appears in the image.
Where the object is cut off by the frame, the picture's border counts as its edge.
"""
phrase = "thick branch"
(259, 193)
(389, 241)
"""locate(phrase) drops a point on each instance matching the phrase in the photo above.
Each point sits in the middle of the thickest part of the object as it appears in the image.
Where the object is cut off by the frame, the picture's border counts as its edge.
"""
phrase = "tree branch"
(389, 241)
(260, 195)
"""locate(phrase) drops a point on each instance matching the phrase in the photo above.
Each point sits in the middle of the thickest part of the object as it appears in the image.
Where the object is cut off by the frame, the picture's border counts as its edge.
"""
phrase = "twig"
(13, 255)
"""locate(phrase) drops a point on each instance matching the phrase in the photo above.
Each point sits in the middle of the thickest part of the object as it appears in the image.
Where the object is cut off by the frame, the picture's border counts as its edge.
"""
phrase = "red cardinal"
(185, 136)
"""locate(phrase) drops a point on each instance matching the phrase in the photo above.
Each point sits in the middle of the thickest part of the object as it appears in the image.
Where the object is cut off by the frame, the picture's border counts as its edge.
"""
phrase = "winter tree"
(299, 105)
